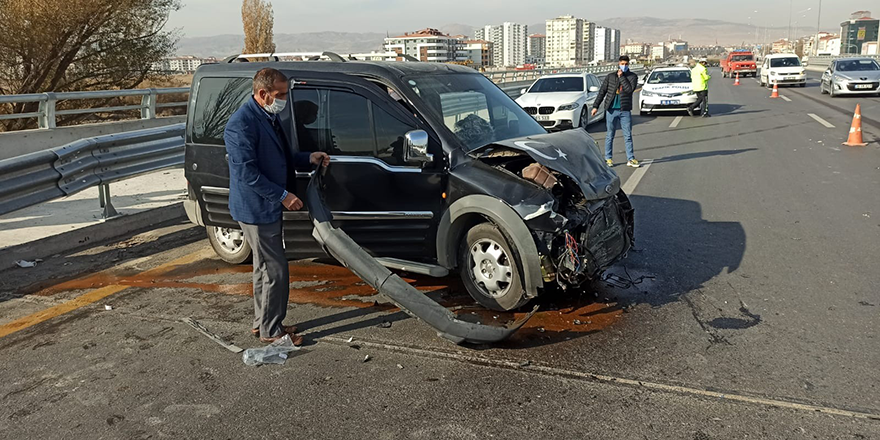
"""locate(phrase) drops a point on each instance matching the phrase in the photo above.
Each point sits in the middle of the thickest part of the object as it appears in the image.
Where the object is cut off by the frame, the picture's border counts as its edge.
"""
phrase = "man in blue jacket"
(259, 155)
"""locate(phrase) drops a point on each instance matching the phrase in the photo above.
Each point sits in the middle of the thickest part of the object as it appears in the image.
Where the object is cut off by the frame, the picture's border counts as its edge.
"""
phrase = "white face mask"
(275, 107)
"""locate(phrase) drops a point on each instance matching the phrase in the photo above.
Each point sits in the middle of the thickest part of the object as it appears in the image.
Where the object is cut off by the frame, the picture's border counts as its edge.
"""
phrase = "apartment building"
(606, 44)
(478, 52)
(569, 41)
(428, 45)
(509, 43)
(535, 49)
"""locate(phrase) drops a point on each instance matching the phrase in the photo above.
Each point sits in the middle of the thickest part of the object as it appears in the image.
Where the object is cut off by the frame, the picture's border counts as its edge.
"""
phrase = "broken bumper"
(339, 245)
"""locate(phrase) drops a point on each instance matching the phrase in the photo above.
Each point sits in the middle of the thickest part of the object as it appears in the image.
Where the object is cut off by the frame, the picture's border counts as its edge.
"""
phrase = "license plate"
(542, 118)
(670, 102)
(863, 86)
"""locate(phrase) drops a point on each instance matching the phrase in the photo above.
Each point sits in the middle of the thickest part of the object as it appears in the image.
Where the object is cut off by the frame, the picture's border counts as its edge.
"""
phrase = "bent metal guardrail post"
(99, 161)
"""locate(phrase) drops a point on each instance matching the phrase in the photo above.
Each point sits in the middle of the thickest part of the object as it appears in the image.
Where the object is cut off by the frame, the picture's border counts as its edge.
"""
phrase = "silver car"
(851, 76)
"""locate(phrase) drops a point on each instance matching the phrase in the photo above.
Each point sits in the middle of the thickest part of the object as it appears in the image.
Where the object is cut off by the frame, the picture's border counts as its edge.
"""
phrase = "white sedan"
(563, 101)
(666, 88)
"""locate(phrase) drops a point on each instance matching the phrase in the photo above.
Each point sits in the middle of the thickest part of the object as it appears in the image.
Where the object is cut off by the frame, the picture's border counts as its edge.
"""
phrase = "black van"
(433, 169)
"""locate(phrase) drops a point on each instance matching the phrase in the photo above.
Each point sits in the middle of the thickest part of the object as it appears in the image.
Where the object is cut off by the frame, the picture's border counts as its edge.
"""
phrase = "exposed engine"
(587, 237)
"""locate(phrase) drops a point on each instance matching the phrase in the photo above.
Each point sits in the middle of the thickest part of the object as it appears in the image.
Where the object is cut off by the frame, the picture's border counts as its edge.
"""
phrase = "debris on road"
(384, 324)
(366, 358)
(400, 366)
(203, 330)
(24, 264)
(525, 363)
(274, 353)
(108, 307)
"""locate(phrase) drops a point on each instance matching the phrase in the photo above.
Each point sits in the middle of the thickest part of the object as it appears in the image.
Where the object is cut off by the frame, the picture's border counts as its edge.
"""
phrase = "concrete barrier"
(16, 143)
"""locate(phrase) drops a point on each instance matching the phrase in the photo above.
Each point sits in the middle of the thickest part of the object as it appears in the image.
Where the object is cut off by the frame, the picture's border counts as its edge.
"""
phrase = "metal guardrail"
(49, 174)
(46, 112)
(507, 76)
(826, 60)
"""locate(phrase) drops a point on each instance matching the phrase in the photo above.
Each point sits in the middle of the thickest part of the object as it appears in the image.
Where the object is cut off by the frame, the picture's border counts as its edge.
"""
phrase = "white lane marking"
(675, 122)
(785, 98)
(636, 177)
(548, 371)
(820, 120)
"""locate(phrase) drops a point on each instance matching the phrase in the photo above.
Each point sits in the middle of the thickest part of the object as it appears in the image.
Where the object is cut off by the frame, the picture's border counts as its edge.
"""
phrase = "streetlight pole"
(789, 20)
(818, 25)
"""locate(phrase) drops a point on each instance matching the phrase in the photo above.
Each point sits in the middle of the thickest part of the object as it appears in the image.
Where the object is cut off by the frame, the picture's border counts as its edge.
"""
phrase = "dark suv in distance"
(433, 169)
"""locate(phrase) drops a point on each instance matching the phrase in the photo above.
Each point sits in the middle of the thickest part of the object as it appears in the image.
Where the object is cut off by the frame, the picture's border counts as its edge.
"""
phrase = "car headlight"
(803, 72)
(646, 93)
(772, 72)
(567, 107)
(689, 92)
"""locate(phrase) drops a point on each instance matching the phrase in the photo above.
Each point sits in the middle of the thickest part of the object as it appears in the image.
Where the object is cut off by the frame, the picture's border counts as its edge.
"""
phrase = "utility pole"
(818, 25)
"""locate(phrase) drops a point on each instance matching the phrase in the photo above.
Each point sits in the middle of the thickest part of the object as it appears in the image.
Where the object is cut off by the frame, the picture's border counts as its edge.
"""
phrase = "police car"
(666, 89)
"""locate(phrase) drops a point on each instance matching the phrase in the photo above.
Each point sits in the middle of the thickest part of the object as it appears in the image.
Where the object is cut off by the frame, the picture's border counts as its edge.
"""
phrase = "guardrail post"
(47, 111)
(104, 200)
(148, 104)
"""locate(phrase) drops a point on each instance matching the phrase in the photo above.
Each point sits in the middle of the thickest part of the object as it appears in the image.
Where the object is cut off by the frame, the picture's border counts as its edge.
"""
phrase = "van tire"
(228, 245)
(488, 239)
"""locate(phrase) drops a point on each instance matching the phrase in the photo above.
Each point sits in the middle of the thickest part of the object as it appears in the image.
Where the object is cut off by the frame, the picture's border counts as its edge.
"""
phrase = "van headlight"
(647, 94)
(567, 107)
(772, 73)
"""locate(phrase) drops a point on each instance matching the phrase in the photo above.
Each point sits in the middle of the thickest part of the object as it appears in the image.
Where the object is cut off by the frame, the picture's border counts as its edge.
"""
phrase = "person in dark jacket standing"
(259, 155)
(616, 92)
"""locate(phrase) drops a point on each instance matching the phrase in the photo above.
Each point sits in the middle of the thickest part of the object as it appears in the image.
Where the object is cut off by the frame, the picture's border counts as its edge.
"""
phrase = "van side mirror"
(416, 147)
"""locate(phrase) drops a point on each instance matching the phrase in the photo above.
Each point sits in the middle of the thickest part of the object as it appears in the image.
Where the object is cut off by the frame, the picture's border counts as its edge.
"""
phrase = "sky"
(200, 18)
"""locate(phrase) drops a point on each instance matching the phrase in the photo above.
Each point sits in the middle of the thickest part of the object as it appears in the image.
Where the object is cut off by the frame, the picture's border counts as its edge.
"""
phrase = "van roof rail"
(309, 56)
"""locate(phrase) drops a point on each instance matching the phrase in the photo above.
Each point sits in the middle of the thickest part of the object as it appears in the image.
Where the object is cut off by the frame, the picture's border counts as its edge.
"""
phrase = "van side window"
(347, 124)
(216, 100)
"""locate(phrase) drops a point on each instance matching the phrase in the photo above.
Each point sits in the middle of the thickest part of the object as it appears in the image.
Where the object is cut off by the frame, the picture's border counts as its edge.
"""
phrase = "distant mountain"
(695, 31)
(342, 42)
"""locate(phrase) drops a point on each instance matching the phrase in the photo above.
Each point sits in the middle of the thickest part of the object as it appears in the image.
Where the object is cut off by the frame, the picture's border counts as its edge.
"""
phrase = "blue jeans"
(624, 119)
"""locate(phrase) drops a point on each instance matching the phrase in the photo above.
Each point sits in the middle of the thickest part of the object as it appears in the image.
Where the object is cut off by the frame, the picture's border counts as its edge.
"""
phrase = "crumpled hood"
(571, 152)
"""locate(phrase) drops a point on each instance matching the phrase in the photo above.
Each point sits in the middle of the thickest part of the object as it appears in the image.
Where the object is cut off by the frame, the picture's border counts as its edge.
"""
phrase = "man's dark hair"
(266, 78)
(624, 58)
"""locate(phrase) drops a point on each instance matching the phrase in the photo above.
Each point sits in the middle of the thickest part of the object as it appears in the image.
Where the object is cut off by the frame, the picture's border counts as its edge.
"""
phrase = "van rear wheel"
(229, 244)
(491, 269)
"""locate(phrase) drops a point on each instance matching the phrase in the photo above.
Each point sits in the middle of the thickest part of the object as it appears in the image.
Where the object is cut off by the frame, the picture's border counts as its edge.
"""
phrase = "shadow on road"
(700, 155)
(676, 251)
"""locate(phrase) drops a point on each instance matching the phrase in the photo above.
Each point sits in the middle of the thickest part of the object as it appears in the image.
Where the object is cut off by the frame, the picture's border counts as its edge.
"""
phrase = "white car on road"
(562, 101)
(782, 68)
(666, 89)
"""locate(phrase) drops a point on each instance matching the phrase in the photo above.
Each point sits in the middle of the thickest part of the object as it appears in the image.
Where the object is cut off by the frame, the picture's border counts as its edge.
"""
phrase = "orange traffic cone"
(736, 83)
(775, 93)
(855, 132)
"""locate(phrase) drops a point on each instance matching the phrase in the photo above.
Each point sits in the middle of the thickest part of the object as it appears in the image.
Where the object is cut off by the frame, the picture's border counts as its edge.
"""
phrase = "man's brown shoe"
(296, 339)
(289, 329)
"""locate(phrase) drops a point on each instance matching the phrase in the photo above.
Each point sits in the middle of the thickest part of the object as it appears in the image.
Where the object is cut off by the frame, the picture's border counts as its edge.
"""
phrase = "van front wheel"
(490, 269)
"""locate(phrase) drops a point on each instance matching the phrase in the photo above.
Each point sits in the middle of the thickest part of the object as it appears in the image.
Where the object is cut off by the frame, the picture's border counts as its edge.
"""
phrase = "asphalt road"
(756, 315)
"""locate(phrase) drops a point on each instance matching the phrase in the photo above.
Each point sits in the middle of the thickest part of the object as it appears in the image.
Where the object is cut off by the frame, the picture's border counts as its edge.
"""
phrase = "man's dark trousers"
(702, 99)
(271, 275)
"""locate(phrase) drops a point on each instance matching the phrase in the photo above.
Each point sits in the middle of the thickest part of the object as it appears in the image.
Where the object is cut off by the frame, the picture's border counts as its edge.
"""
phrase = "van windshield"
(474, 109)
(785, 62)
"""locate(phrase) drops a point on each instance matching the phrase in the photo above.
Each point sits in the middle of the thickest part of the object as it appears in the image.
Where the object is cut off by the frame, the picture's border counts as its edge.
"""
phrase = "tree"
(62, 45)
(258, 20)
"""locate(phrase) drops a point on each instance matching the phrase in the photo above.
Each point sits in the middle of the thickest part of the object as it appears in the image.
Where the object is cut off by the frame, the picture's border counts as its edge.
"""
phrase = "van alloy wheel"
(491, 267)
(229, 244)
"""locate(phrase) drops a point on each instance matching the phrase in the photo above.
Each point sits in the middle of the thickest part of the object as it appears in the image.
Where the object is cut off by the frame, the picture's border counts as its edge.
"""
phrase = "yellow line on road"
(88, 298)
(60, 309)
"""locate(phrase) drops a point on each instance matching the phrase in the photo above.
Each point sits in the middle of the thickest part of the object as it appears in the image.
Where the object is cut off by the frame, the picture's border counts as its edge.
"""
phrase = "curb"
(83, 237)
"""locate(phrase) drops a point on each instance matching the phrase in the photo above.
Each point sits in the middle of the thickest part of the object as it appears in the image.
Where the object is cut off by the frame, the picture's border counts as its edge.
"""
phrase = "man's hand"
(292, 202)
(593, 113)
(619, 73)
(319, 158)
